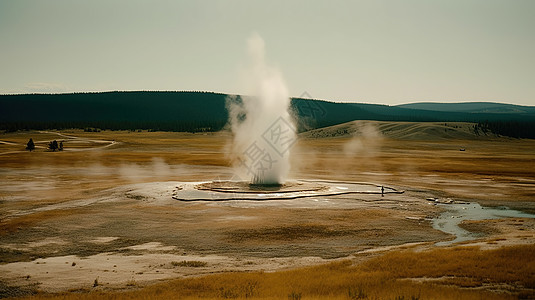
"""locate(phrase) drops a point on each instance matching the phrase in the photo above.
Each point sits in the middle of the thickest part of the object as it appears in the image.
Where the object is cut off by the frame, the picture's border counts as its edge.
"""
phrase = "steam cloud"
(365, 141)
(261, 124)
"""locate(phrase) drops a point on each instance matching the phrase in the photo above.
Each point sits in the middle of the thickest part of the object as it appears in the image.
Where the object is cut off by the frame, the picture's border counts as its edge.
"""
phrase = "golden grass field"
(74, 218)
(455, 273)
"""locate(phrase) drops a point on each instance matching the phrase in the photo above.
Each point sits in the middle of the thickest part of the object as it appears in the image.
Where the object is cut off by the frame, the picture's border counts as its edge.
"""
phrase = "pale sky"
(387, 52)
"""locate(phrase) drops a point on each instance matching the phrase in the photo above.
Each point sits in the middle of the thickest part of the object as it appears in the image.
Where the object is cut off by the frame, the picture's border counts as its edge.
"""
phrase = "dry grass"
(512, 265)
(479, 226)
(488, 170)
(189, 263)
(132, 147)
(457, 273)
(406, 161)
(12, 225)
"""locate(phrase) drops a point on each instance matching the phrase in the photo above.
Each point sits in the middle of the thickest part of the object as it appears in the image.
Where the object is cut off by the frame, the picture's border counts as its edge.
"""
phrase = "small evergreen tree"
(60, 146)
(53, 145)
(30, 145)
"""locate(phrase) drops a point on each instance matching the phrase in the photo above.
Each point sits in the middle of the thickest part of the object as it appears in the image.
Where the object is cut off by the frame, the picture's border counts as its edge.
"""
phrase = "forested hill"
(206, 111)
(173, 111)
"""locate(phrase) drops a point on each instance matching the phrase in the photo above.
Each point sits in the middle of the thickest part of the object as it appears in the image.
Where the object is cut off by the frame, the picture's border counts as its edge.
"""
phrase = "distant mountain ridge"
(206, 111)
(471, 107)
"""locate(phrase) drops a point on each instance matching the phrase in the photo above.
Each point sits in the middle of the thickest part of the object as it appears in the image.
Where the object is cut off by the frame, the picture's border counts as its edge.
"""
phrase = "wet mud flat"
(133, 226)
(140, 232)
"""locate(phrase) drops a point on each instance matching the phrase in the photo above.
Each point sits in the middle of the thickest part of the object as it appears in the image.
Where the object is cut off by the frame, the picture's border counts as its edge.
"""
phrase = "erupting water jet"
(260, 122)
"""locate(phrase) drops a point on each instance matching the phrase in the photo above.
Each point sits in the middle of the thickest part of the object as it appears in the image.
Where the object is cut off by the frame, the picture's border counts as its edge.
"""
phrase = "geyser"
(260, 122)
(263, 135)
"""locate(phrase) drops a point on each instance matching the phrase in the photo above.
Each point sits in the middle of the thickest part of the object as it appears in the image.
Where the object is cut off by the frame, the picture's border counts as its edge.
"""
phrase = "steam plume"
(262, 127)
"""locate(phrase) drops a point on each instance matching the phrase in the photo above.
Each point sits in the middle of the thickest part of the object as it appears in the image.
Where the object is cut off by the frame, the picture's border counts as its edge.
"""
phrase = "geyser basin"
(242, 190)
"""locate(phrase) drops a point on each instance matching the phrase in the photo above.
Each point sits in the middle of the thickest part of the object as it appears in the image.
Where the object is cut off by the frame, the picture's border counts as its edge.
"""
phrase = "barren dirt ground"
(102, 208)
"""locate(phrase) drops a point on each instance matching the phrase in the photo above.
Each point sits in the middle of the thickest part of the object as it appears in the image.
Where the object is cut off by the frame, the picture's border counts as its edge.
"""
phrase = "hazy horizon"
(386, 52)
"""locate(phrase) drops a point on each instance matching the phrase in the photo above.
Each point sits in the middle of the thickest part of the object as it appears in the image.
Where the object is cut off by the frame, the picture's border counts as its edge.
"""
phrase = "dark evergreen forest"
(206, 111)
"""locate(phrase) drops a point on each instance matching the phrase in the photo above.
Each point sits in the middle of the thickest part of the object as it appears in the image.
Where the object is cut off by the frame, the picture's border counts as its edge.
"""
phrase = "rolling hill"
(399, 130)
